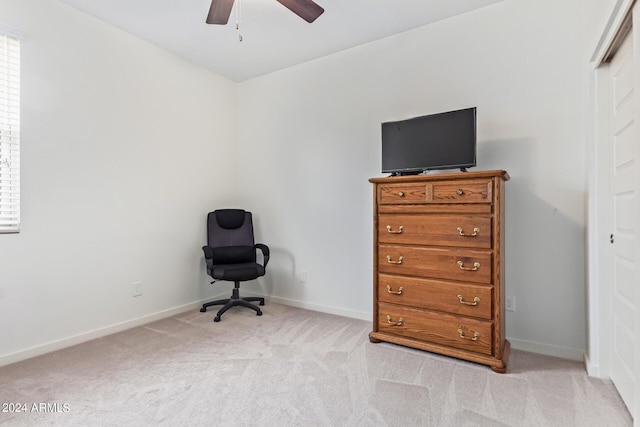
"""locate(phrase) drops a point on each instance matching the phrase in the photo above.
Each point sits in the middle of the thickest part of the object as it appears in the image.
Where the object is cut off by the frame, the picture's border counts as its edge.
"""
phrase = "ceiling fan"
(305, 9)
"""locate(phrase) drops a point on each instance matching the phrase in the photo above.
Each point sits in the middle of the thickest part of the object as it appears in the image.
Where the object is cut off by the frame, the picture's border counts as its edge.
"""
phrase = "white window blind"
(9, 134)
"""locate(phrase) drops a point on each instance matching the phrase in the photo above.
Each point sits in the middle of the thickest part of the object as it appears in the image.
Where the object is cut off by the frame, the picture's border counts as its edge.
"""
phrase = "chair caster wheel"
(216, 319)
(261, 302)
(258, 313)
(203, 309)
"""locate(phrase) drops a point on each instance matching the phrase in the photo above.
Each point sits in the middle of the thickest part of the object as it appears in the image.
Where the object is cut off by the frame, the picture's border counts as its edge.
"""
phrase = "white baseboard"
(39, 350)
(96, 333)
(524, 345)
(530, 346)
(593, 369)
(354, 314)
(547, 349)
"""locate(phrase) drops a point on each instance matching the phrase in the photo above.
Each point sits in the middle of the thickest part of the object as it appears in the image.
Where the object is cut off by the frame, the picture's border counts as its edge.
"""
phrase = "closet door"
(624, 202)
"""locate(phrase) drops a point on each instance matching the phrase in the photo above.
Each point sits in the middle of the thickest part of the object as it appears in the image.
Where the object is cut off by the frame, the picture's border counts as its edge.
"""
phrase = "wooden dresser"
(438, 267)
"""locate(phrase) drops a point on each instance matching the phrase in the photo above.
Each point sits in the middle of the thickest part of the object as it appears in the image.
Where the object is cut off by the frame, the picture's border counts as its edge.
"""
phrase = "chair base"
(235, 300)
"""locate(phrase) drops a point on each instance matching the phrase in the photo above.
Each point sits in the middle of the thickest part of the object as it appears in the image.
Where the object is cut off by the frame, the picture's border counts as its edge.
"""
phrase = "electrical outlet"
(302, 276)
(136, 289)
(510, 304)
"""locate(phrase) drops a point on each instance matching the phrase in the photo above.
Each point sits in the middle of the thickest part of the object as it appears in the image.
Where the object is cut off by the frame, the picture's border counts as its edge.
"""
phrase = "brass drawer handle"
(399, 292)
(474, 234)
(400, 194)
(475, 337)
(459, 192)
(476, 300)
(476, 265)
(390, 230)
(394, 262)
(391, 322)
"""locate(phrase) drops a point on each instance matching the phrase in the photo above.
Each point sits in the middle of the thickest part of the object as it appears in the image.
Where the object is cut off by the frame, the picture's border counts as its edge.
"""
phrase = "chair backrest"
(229, 229)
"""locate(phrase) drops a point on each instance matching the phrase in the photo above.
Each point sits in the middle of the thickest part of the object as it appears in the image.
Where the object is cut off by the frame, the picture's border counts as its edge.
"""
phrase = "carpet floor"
(291, 367)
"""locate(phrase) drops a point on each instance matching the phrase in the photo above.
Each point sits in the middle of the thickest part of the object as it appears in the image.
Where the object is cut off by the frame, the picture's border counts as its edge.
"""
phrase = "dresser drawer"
(435, 230)
(452, 331)
(468, 191)
(454, 191)
(451, 297)
(466, 265)
(402, 193)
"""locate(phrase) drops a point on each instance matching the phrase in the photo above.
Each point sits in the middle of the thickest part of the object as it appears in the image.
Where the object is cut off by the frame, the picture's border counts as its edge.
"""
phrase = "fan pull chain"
(238, 18)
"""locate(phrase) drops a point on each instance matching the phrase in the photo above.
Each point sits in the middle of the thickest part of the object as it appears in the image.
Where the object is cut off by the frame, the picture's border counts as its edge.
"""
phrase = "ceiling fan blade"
(305, 9)
(219, 12)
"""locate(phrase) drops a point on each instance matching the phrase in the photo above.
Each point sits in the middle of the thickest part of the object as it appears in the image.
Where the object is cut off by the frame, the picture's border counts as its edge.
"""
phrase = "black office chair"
(231, 255)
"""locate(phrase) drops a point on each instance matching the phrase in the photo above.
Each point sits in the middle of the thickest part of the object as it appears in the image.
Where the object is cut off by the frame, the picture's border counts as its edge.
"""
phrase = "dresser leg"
(499, 370)
(505, 358)
(374, 340)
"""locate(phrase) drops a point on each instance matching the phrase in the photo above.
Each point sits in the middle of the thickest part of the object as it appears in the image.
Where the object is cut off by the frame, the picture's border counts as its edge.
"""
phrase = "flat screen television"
(436, 141)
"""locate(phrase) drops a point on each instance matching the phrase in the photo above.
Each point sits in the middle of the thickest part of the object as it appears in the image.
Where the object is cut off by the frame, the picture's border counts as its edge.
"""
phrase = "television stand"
(463, 169)
(410, 173)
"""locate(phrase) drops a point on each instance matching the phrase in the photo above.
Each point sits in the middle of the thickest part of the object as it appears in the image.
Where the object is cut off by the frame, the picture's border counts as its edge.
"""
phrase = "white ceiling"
(273, 37)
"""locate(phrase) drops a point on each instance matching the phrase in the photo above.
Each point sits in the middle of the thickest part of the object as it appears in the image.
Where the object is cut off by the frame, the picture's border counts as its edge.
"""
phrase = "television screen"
(437, 141)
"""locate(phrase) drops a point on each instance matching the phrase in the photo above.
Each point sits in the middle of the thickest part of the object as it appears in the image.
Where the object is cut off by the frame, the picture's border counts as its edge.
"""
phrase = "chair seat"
(233, 272)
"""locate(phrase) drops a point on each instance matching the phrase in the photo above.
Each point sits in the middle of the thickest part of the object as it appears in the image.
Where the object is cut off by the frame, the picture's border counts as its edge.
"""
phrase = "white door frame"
(599, 268)
(599, 250)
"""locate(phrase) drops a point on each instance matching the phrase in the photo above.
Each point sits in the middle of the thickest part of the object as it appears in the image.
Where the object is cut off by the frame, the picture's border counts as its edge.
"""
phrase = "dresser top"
(442, 176)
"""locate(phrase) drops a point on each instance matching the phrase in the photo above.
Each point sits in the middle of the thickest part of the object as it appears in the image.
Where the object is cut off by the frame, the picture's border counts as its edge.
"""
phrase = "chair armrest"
(208, 252)
(265, 252)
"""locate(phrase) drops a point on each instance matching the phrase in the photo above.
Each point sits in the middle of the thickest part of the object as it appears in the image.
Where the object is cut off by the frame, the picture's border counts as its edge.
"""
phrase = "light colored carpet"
(292, 367)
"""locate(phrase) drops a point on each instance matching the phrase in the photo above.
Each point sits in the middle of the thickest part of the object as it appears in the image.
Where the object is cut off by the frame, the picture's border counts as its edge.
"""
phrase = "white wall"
(310, 138)
(125, 148)
(121, 143)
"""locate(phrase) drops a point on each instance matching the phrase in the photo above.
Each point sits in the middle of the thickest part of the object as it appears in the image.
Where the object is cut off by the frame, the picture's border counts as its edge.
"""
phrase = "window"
(9, 134)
